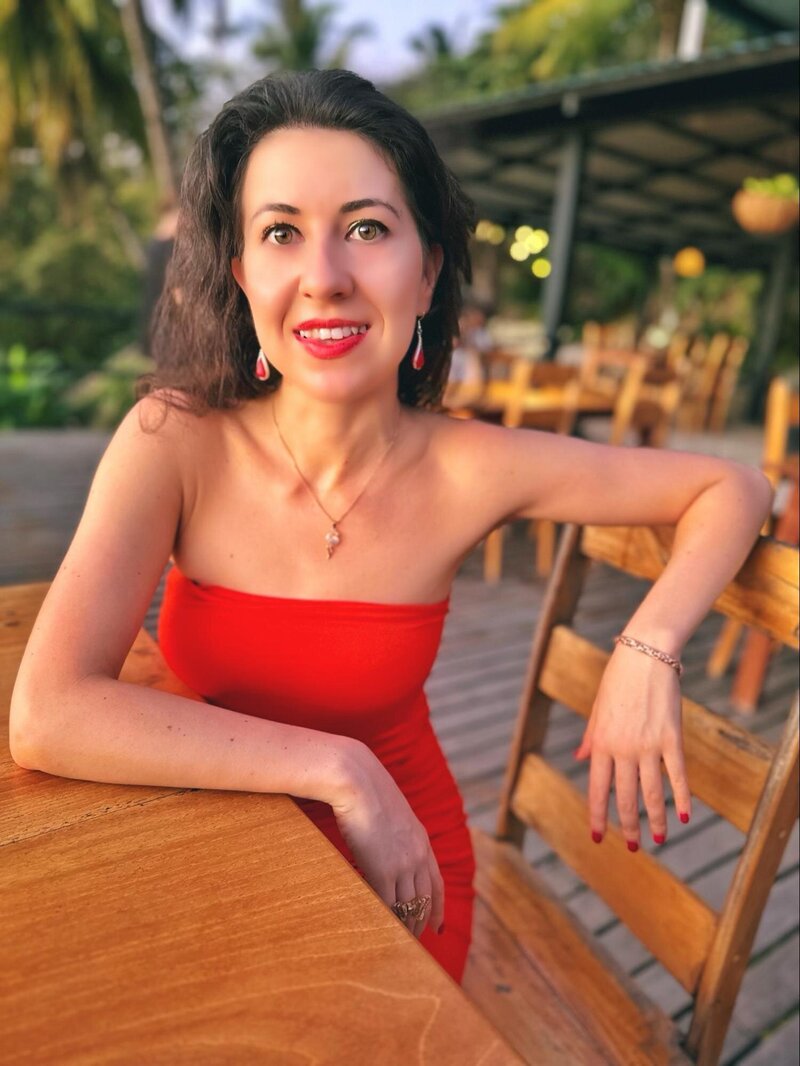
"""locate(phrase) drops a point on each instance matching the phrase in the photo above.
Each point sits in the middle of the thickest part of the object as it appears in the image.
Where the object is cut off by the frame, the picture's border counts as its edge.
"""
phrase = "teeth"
(336, 334)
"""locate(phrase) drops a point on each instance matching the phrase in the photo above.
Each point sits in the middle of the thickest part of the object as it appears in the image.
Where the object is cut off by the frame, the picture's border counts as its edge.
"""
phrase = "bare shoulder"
(463, 435)
(468, 447)
(165, 417)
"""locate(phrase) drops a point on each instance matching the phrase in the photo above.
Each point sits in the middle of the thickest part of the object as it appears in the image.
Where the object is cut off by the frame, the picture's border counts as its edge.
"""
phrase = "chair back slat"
(677, 928)
(727, 766)
(765, 593)
(747, 896)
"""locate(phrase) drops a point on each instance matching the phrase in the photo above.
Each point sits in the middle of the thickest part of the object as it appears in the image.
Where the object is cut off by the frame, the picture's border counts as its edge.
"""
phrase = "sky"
(383, 57)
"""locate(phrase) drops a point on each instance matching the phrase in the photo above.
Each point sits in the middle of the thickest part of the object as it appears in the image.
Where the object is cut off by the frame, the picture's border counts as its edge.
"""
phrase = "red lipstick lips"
(330, 349)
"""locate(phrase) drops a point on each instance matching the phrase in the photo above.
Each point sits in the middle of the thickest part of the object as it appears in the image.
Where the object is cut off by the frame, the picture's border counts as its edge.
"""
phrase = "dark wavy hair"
(203, 340)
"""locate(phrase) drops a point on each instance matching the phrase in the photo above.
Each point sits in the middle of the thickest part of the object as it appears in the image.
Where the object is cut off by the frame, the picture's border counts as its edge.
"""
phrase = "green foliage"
(66, 79)
(781, 186)
(719, 299)
(606, 284)
(541, 40)
(103, 397)
(68, 284)
(31, 389)
(38, 391)
(557, 38)
(301, 37)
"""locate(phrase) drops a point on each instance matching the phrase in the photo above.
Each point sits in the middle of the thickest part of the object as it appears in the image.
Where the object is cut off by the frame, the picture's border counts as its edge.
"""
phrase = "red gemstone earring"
(418, 358)
(262, 366)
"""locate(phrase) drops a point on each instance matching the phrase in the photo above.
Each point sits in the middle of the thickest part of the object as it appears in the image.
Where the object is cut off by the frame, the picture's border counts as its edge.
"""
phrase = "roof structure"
(765, 15)
(665, 146)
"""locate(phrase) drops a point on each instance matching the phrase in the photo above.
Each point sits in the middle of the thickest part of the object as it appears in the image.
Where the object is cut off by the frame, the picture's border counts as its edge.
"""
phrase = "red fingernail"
(596, 837)
(659, 838)
(632, 845)
(684, 817)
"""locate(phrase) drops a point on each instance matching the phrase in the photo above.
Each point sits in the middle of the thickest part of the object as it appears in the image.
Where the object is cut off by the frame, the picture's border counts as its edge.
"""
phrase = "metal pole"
(562, 229)
(773, 306)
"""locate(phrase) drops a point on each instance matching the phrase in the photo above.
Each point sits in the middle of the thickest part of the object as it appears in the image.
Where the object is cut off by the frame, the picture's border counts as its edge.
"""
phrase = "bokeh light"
(689, 262)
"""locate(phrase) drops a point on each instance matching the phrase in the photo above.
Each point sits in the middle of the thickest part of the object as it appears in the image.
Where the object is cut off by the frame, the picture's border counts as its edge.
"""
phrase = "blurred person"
(473, 341)
(157, 256)
(289, 457)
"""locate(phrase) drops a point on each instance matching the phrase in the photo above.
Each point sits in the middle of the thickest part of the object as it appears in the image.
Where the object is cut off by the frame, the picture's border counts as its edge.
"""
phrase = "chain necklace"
(333, 538)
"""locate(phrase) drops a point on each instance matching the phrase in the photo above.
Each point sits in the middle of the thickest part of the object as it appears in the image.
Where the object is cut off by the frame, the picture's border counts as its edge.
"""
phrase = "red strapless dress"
(340, 666)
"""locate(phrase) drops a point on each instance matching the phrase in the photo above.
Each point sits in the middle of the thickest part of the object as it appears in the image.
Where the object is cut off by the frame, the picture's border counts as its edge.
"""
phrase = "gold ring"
(413, 908)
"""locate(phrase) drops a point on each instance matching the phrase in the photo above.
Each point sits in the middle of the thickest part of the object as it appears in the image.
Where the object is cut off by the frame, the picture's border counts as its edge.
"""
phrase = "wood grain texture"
(514, 993)
(744, 904)
(625, 1026)
(666, 915)
(215, 927)
(765, 593)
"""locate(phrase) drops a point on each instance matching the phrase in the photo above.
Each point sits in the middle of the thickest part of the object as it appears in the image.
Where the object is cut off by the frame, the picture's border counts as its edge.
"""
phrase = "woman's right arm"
(72, 717)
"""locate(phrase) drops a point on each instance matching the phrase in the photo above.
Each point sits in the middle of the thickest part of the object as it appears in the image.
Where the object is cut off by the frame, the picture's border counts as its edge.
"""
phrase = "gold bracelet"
(662, 656)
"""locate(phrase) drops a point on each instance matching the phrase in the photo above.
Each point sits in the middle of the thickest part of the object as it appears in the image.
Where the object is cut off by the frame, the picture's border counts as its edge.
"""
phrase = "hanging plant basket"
(760, 210)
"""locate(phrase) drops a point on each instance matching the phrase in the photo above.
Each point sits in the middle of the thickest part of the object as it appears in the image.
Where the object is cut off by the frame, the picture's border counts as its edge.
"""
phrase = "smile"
(331, 343)
(336, 333)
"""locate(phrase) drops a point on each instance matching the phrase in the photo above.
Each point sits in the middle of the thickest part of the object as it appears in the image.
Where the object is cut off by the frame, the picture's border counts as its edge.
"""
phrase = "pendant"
(332, 540)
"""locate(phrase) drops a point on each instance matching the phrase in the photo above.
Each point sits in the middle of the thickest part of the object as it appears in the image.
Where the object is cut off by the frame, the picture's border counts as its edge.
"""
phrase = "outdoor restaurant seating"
(526, 939)
(619, 385)
(704, 364)
(783, 471)
(725, 386)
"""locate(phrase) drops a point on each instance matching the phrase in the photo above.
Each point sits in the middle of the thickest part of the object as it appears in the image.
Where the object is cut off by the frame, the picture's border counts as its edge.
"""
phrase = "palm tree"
(433, 43)
(142, 42)
(65, 82)
(300, 39)
(64, 79)
(139, 38)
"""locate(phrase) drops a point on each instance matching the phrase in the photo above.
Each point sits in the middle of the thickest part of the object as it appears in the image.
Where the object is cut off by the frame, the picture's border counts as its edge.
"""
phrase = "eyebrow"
(345, 209)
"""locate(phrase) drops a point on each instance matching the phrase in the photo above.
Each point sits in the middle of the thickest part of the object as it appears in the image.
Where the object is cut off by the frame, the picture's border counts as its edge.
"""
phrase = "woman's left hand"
(635, 722)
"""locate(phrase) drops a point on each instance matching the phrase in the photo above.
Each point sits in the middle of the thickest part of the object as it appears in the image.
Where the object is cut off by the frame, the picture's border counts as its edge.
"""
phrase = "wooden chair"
(726, 383)
(526, 377)
(647, 396)
(677, 354)
(524, 939)
(783, 413)
(702, 371)
(645, 399)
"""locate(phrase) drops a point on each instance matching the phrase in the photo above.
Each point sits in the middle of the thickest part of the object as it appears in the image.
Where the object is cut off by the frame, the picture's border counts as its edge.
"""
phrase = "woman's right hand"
(388, 841)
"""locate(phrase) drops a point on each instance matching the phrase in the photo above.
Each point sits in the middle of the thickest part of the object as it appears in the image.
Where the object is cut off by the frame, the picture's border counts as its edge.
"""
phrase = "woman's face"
(329, 239)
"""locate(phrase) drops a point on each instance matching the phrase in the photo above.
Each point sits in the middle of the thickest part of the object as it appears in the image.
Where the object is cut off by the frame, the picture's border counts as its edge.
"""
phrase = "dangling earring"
(418, 358)
(262, 366)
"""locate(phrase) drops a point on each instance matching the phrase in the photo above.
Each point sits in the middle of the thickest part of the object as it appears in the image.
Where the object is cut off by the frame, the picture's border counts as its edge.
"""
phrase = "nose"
(325, 273)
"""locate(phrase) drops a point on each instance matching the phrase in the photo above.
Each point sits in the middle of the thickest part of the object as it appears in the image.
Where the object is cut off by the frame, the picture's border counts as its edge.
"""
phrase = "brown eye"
(368, 231)
(281, 231)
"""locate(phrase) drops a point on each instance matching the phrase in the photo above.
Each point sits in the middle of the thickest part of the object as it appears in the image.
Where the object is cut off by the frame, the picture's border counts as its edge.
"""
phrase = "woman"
(287, 458)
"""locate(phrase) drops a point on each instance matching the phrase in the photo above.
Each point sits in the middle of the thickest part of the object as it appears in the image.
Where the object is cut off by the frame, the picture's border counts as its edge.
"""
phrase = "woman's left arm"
(717, 508)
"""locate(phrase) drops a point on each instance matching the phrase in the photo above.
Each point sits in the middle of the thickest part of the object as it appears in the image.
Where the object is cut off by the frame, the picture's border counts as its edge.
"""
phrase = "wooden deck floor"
(473, 692)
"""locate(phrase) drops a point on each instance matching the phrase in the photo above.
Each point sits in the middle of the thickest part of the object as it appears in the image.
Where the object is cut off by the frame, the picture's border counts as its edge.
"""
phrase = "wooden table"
(175, 926)
(549, 399)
